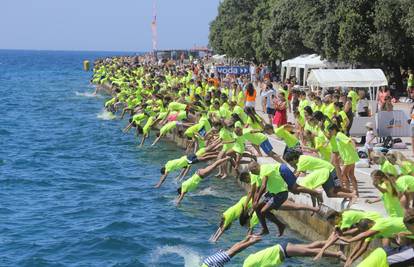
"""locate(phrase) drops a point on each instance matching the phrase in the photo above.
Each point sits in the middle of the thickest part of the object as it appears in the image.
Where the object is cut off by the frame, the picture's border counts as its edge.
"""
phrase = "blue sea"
(76, 191)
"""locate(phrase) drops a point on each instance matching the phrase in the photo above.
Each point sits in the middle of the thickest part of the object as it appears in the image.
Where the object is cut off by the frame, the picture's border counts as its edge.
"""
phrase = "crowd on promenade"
(218, 119)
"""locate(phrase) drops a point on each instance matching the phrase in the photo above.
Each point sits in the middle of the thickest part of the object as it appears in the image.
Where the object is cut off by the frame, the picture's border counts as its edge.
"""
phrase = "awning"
(347, 78)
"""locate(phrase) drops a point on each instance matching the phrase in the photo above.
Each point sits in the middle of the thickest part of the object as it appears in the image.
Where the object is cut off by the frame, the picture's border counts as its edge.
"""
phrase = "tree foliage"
(374, 33)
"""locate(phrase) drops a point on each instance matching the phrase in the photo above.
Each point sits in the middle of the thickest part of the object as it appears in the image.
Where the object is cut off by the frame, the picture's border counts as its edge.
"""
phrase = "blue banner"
(238, 70)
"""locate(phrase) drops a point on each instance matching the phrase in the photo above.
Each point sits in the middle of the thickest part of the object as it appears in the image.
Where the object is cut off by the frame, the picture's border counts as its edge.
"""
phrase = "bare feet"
(224, 176)
(341, 256)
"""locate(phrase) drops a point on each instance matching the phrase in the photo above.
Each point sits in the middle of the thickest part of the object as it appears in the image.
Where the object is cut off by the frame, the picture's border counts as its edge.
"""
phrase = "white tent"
(368, 78)
(306, 62)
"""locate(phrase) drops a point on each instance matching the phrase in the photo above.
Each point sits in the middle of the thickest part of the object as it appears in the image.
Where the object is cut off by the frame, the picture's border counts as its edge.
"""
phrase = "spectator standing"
(280, 117)
(250, 96)
(268, 95)
(362, 109)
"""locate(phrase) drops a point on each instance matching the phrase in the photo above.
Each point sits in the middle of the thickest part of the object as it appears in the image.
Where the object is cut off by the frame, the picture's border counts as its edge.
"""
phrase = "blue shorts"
(192, 159)
(287, 175)
(276, 200)
(270, 111)
(202, 132)
(332, 182)
(283, 246)
(266, 146)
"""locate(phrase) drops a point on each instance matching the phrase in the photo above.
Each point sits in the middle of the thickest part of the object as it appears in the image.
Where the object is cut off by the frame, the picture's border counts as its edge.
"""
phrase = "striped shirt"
(219, 259)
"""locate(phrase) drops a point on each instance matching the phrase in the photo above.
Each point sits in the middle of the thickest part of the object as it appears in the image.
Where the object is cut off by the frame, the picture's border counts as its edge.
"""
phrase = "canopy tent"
(307, 62)
(368, 78)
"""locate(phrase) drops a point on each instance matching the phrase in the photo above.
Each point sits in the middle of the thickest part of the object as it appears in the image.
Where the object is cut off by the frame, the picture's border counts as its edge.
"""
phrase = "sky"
(104, 25)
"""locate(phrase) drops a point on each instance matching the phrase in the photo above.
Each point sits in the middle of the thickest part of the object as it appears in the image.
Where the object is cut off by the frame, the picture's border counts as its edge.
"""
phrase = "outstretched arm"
(162, 179)
(240, 246)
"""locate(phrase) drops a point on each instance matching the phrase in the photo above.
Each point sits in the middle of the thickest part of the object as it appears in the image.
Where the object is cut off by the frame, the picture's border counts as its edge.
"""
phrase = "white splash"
(208, 191)
(106, 115)
(191, 258)
(87, 94)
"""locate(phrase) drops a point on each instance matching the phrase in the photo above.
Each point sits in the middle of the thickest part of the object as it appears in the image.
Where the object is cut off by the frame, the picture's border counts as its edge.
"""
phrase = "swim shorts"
(287, 175)
(332, 182)
(266, 146)
(275, 200)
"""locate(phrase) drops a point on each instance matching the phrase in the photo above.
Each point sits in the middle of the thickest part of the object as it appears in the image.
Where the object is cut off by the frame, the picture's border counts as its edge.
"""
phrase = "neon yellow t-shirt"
(405, 183)
(254, 138)
(226, 136)
(176, 164)
(240, 112)
(351, 217)
(275, 183)
(191, 184)
(388, 227)
(346, 149)
(315, 179)
(289, 139)
(309, 163)
(255, 179)
(407, 168)
(389, 169)
(269, 257)
(323, 146)
(377, 258)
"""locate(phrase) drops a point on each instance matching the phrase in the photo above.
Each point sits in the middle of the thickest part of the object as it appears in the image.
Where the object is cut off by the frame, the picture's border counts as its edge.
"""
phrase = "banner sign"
(358, 125)
(238, 70)
(393, 123)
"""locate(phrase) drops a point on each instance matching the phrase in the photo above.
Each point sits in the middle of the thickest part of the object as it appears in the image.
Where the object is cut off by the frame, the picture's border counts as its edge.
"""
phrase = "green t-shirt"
(407, 168)
(191, 184)
(255, 179)
(377, 258)
(388, 227)
(346, 149)
(289, 139)
(334, 144)
(254, 138)
(234, 212)
(389, 169)
(355, 97)
(175, 106)
(275, 182)
(269, 257)
(351, 217)
(405, 183)
(176, 164)
(240, 112)
(254, 124)
(323, 146)
(238, 145)
(168, 127)
(392, 203)
(309, 163)
(315, 179)
(226, 136)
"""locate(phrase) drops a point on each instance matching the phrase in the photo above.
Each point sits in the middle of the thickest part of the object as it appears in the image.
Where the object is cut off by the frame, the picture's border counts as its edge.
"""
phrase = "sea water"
(76, 191)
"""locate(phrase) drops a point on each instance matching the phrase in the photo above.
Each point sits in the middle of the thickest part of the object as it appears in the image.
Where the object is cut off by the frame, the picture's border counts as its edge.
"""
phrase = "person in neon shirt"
(192, 183)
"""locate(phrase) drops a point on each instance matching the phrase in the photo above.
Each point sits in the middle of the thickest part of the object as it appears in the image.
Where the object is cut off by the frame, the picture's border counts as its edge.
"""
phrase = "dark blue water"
(76, 191)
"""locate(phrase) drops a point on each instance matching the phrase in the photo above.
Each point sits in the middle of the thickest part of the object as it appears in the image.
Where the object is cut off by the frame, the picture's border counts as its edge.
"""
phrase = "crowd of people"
(218, 118)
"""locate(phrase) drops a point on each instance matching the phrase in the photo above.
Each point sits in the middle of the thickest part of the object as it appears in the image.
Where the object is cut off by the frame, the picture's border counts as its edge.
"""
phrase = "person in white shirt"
(362, 109)
(370, 138)
(267, 96)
